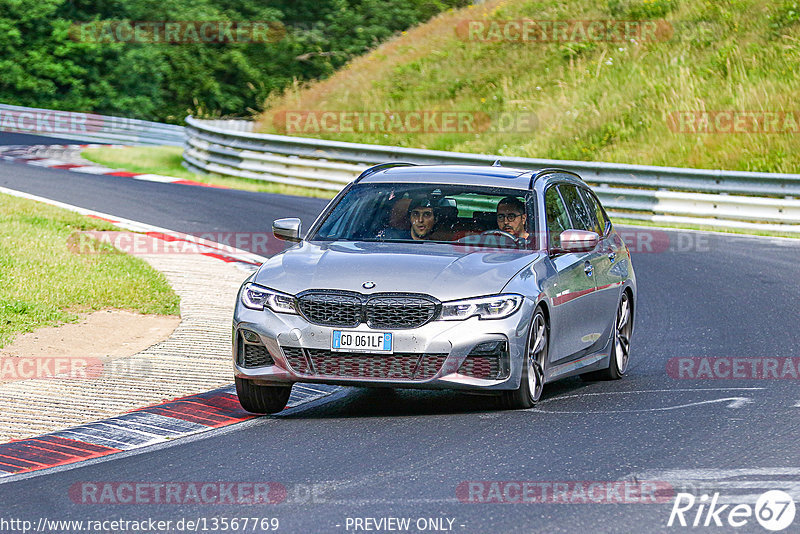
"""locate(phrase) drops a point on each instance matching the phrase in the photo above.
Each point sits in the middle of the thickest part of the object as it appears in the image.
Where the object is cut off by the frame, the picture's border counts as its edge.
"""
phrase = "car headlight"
(494, 307)
(257, 297)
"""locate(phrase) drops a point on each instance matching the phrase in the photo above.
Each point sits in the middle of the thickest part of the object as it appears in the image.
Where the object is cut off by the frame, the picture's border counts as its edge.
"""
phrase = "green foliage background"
(43, 66)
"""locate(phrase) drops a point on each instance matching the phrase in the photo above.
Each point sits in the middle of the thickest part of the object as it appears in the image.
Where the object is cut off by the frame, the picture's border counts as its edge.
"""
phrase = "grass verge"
(166, 160)
(44, 283)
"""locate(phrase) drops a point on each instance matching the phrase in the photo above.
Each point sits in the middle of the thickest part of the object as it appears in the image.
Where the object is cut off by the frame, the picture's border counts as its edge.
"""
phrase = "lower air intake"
(255, 356)
(487, 361)
(398, 366)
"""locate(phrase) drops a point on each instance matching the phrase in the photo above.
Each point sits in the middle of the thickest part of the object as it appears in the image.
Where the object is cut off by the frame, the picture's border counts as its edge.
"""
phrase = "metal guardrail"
(732, 199)
(88, 127)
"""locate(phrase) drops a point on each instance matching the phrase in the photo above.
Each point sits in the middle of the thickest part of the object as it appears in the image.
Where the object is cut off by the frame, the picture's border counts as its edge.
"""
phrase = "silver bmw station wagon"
(473, 278)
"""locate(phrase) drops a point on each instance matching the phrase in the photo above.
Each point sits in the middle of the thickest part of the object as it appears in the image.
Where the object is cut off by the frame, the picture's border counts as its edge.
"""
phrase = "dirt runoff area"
(101, 334)
(111, 361)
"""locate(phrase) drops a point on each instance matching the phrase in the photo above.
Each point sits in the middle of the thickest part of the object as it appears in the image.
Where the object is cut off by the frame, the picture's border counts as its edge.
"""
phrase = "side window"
(581, 218)
(598, 217)
(557, 218)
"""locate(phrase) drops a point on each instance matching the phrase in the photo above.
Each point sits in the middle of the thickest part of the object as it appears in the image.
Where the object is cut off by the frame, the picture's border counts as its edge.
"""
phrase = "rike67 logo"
(774, 510)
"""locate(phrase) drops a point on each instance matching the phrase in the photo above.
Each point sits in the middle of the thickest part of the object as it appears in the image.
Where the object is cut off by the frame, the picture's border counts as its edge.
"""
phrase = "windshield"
(458, 214)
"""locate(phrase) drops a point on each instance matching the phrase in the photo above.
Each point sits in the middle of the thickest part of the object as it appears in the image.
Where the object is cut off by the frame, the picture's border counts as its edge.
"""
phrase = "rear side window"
(581, 218)
(557, 218)
(597, 212)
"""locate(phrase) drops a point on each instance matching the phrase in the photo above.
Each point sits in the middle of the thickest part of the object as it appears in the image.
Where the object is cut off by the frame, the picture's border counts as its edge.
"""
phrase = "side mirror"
(287, 229)
(578, 241)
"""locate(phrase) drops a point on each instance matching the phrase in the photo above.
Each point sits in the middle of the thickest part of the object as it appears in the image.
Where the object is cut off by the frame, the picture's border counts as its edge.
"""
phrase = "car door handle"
(612, 256)
(588, 269)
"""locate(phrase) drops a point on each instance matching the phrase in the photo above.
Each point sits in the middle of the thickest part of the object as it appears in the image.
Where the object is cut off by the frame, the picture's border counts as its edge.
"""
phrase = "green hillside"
(604, 100)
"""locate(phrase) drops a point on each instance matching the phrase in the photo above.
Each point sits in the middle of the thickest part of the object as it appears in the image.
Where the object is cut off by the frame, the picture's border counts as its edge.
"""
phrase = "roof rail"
(551, 170)
(380, 167)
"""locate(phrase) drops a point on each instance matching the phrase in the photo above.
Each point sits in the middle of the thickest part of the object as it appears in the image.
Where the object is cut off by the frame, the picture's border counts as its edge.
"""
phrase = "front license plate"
(352, 341)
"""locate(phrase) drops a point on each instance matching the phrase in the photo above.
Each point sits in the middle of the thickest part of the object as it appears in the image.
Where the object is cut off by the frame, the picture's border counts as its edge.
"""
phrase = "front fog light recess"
(250, 336)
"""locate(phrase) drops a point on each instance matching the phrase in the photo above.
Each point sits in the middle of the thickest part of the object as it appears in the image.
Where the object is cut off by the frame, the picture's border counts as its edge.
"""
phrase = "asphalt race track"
(374, 453)
(9, 138)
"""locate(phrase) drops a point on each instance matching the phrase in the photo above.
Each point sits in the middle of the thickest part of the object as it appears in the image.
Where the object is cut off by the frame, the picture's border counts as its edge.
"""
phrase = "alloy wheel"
(622, 340)
(537, 351)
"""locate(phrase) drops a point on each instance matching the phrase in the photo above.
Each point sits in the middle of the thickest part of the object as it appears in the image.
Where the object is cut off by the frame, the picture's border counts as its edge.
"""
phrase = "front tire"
(262, 399)
(532, 381)
(621, 343)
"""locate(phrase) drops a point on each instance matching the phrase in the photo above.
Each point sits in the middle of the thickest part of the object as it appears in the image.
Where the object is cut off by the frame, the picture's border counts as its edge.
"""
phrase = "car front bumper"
(452, 340)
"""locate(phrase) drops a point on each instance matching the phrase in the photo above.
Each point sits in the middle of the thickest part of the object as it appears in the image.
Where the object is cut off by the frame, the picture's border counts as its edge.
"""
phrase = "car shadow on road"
(388, 402)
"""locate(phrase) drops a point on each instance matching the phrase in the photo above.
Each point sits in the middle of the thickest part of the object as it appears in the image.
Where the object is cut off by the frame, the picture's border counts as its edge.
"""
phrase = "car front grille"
(331, 309)
(390, 311)
(399, 366)
(399, 312)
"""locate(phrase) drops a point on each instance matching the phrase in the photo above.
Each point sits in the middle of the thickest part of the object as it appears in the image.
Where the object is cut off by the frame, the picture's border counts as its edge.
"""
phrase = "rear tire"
(262, 399)
(532, 381)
